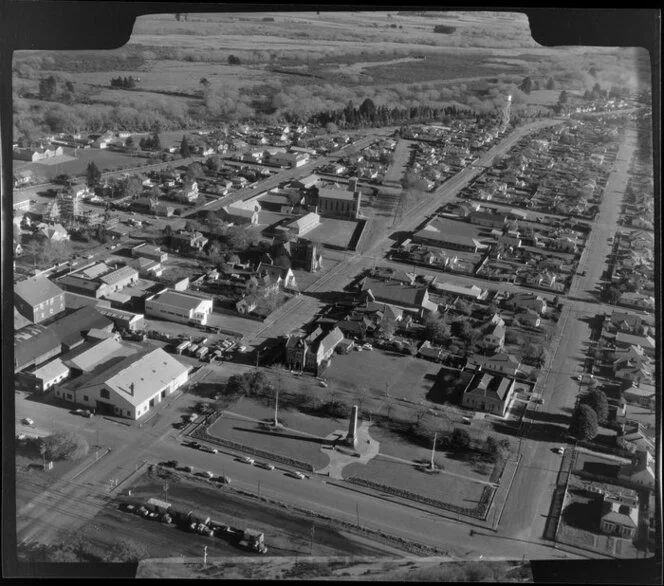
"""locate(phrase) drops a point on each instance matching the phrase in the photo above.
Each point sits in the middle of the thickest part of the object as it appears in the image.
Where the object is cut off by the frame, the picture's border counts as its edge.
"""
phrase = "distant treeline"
(126, 83)
(368, 114)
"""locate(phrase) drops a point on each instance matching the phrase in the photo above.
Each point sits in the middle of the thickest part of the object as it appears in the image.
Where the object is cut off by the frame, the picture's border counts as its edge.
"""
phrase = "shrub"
(64, 446)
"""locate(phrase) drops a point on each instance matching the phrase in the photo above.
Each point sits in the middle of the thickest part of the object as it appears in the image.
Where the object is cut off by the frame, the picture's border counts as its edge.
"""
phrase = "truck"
(201, 352)
(191, 350)
(182, 346)
(253, 540)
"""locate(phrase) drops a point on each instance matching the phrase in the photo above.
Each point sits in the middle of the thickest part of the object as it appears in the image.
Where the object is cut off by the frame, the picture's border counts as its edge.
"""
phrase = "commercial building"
(303, 225)
(130, 387)
(620, 514)
(242, 212)
(488, 219)
(149, 251)
(489, 393)
(445, 234)
(338, 203)
(179, 306)
(398, 294)
(33, 346)
(48, 375)
(38, 299)
(99, 280)
(71, 329)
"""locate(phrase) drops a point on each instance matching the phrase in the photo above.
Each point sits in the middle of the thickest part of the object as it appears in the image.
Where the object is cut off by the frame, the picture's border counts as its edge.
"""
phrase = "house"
(494, 337)
(184, 240)
(502, 363)
(313, 351)
(529, 318)
(641, 471)
(36, 155)
(624, 340)
(337, 203)
(103, 140)
(38, 299)
(620, 515)
(149, 251)
(178, 306)
(146, 267)
(628, 323)
(246, 305)
(306, 182)
(23, 177)
(189, 192)
(528, 301)
(633, 437)
(642, 394)
(354, 327)
(429, 352)
(242, 212)
(637, 300)
(465, 291)
(130, 387)
(124, 320)
(282, 276)
(489, 393)
(291, 160)
(398, 294)
(488, 219)
(443, 234)
(54, 232)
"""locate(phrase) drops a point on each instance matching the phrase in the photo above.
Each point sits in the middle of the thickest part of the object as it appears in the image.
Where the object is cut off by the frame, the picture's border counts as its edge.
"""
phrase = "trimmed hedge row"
(202, 433)
(479, 512)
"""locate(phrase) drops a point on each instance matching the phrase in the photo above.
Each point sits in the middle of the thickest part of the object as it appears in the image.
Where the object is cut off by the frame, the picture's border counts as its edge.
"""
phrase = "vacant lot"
(379, 371)
(444, 487)
(335, 233)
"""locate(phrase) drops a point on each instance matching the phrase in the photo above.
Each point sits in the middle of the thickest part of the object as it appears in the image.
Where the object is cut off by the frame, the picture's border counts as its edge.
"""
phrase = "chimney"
(131, 388)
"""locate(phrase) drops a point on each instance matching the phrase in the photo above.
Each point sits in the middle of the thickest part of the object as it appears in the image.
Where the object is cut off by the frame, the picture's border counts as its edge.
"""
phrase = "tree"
(47, 87)
(550, 84)
(459, 440)
(233, 60)
(205, 84)
(597, 401)
(213, 163)
(584, 423)
(130, 144)
(526, 85)
(194, 171)
(611, 294)
(92, 174)
(462, 328)
(64, 446)
(132, 187)
(435, 328)
(185, 148)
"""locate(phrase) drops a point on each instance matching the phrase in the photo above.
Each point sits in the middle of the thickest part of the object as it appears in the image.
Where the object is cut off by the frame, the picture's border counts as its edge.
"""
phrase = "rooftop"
(92, 356)
(490, 386)
(36, 290)
(178, 299)
(333, 193)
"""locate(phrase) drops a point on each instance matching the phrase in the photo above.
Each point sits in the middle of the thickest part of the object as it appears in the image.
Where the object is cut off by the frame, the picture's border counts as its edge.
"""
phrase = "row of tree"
(126, 83)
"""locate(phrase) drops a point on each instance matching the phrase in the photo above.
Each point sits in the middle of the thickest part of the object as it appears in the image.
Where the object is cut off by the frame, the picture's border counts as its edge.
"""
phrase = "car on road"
(27, 421)
(538, 400)
(223, 479)
(322, 384)
(194, 445)
(295, 474)
(559, 450)
(208, 449)
(265, 465)
(205, 474)
(245, 459)
(242, 349)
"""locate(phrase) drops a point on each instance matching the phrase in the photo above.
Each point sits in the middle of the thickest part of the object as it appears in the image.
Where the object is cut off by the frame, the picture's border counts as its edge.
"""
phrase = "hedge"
(479, 512)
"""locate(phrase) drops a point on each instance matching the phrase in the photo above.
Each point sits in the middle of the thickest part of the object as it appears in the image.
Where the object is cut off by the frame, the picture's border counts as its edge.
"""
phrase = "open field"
(402, 376)
(444, 487)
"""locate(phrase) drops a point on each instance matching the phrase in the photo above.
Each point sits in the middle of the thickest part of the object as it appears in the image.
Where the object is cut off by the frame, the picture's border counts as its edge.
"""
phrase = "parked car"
(295, 474)
(559, 450)
(245, 460)
(322, 384)
(265, 465)
(27, 421)
(223, 479)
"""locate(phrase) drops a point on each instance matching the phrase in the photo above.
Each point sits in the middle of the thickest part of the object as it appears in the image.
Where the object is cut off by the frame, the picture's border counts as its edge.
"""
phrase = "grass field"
(332, 232)
(290, 444)
(404, 376)
(444, 487)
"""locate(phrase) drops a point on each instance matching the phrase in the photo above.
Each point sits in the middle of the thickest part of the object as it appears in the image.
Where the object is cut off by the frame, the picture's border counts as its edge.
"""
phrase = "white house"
(179, 306)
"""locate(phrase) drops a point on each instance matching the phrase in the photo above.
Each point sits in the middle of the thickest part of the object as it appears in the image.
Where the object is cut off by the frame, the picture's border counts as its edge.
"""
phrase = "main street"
(528, 504)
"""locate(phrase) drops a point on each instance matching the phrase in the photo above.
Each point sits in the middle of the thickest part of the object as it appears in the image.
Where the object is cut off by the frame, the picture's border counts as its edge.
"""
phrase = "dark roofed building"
(489, 393)
(70, 329)
(35, 349)
(398, 294)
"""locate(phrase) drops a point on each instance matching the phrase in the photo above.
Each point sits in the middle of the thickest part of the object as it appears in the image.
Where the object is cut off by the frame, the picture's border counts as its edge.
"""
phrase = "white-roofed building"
(178, 306)
(48, 375)
(130, 387)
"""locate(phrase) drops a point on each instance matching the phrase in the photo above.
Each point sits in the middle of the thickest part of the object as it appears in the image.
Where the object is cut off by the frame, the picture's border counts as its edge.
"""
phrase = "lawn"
(289, 444)
(444, 487)
(391, 444)
(378, 371)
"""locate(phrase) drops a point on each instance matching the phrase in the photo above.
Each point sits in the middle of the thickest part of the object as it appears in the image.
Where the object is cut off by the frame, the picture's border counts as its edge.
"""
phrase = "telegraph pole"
(433, 450)
(313, 531)
(357, 512)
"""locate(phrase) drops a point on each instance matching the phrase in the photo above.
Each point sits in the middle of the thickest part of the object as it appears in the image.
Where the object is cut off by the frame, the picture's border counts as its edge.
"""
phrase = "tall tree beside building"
(597, 401)
(92, 174)
(185, 148)
(584, 423)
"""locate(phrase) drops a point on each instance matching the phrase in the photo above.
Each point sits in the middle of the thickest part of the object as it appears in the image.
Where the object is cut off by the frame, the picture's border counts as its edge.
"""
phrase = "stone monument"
(351, 438)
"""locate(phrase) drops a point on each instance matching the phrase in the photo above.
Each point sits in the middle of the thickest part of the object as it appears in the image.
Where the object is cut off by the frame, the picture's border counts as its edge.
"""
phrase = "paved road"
(528, 503)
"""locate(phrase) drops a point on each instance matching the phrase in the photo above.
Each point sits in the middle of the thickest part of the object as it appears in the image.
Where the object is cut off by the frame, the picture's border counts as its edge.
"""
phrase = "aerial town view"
(348, 295)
